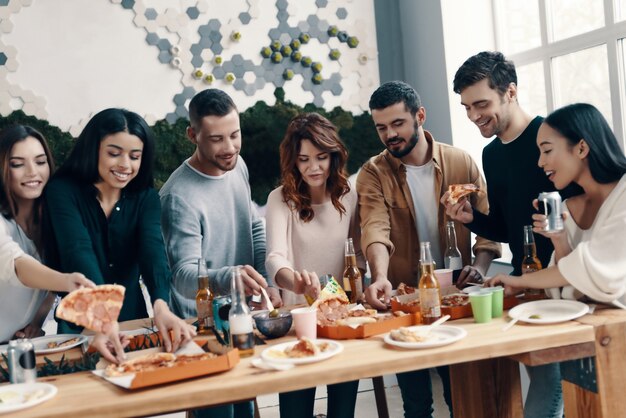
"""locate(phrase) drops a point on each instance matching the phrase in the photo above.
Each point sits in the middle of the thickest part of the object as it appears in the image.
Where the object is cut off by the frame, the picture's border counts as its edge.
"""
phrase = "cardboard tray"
(344, 332)
(399, 303)
(226, 360)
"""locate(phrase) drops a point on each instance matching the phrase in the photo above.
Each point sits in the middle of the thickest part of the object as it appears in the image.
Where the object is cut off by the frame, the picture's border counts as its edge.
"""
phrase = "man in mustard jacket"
(399, 191)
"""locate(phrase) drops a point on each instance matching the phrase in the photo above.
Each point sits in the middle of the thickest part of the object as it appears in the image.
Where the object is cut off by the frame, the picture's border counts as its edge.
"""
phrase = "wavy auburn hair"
(323, 134)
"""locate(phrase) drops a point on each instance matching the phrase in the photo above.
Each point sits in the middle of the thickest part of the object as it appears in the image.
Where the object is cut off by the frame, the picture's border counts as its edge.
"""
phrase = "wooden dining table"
(484, 369)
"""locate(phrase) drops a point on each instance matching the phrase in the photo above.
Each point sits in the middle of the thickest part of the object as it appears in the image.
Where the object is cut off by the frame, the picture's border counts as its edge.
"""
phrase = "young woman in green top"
(104, 217)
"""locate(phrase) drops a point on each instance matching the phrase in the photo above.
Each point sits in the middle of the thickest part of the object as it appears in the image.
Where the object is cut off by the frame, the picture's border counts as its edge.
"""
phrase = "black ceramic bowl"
(273, 327)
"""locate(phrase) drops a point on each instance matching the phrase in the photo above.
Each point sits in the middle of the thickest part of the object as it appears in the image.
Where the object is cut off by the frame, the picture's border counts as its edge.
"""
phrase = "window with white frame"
(567, 51)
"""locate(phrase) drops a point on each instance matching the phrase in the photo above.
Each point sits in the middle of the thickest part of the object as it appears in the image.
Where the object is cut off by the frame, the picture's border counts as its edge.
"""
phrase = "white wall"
(68, 59)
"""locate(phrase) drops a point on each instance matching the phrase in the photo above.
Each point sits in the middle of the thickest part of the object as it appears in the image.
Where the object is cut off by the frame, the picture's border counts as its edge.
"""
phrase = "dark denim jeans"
(238, 410)
(417, 392)
(300, 403)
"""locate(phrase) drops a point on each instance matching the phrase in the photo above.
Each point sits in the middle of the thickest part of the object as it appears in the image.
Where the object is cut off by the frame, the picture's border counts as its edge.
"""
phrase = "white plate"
(42, 392)
(334, 348)
(441, 335)
(41, 343)
(550, 311)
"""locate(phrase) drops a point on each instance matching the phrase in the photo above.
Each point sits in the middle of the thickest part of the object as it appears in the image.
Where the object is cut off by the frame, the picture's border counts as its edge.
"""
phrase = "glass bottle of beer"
(351, 274)
(430, 297)
(452, 256)
(204, 300)
(531, 262)
(240, 319)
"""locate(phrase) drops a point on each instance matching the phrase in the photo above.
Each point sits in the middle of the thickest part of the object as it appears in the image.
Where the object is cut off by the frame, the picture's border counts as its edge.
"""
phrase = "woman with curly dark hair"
(309, 218)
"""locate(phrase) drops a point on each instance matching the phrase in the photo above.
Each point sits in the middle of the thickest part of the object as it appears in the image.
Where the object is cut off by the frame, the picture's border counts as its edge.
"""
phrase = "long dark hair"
(82, 163)
(607, 162)
(323, 134)
(8, 206)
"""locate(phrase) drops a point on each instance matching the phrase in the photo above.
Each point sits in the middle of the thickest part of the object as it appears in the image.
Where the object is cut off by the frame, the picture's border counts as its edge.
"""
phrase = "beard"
(410, 144)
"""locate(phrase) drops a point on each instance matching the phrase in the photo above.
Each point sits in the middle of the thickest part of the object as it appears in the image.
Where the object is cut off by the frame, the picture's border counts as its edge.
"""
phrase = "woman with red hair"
(309, 218)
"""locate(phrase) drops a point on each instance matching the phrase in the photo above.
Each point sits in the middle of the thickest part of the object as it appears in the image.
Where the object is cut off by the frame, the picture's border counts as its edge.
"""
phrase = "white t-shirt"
(421, 180)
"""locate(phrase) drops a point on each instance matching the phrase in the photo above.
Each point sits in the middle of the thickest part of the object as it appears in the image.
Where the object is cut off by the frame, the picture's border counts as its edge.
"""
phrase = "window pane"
(519, 21)
(622, 44)
(573, 17)
(532, 89)
(583, 76)
(620, 10)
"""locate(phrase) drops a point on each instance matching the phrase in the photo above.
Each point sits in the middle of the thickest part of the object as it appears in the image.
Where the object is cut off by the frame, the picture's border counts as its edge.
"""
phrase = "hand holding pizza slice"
(459, 191)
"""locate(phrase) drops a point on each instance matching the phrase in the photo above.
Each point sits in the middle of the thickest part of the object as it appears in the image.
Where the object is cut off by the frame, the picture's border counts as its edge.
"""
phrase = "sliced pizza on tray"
(93, 308)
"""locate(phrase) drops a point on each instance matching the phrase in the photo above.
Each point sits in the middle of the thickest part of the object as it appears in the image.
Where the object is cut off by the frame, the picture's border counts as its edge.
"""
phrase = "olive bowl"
(273, 327)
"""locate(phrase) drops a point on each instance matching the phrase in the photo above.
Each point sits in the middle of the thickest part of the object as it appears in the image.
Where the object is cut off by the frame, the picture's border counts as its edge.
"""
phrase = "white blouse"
(18, 303)
(317, 245)
(596, 267)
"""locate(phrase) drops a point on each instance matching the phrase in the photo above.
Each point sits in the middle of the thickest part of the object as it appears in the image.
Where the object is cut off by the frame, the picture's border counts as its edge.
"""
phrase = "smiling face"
(562, 162)
(487, 108)
(397, 128)
(29, 169)
(218, 141)
(313, 164)
(119, 160)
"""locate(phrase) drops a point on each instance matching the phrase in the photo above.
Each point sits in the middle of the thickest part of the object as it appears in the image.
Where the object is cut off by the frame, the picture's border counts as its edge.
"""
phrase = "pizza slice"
(459, 191)
(404, 289)
(303, 348)
(54, 344)
(454, 300)
(93, 308)
(146, 363)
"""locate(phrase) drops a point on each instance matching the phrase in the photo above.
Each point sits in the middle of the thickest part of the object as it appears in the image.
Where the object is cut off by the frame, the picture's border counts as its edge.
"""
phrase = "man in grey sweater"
(207, 212)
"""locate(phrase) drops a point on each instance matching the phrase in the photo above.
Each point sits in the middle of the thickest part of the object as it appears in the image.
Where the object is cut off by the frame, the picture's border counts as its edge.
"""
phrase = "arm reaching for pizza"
(166, 321)
(34, 274)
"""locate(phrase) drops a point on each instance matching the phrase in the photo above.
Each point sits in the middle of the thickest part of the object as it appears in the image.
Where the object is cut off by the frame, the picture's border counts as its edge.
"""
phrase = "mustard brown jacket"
(388, 215)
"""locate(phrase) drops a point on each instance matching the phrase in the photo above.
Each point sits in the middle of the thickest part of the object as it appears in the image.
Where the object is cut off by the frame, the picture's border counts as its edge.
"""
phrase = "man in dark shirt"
(487, 83)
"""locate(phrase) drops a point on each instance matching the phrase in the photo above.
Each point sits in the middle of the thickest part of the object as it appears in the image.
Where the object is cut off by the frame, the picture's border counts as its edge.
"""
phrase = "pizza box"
(345, 332)
(405, 303)
(227, 359)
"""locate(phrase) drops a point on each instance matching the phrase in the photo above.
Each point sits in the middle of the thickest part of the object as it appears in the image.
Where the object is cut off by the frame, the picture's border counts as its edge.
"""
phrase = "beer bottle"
(430, 298)
(531, 262)
(204, 300)
(452, 256)
(351, 274)
(240, 319)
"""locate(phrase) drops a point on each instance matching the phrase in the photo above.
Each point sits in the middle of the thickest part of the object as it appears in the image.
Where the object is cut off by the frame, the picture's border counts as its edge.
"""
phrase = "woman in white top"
(577, 145)
(309, 218)
(25, 166)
